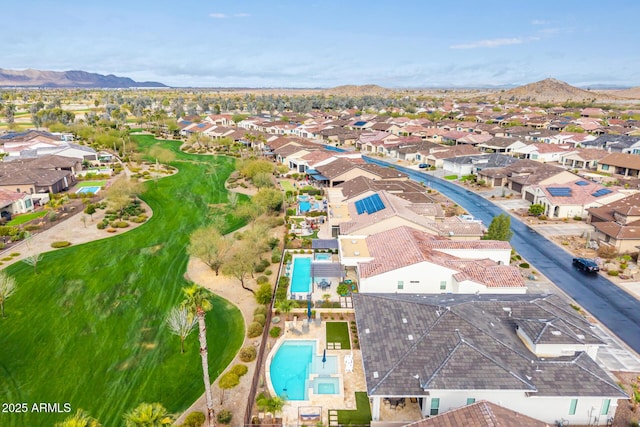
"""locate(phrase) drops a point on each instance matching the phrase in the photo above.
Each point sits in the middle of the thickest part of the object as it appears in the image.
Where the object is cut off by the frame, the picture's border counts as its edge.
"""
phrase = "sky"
(313, 43)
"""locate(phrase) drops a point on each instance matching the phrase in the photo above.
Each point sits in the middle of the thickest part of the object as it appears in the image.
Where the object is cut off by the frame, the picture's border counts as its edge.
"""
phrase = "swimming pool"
(301, 275)
(292, 366)
(323, 257)
(304, 206)
(93, 190)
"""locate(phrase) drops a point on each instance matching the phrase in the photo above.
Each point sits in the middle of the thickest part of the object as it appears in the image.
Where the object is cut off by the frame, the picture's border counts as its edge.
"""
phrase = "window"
(443, 285)
(435, 406)
(400, 284)
(572, 407)
(471, 400)
(605, 407)
(414, 281)
(605, 167)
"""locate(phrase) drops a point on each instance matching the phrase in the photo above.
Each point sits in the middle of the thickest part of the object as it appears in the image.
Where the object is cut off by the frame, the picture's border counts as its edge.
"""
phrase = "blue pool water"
(301, 279)
(323, 257)
(291, 366)
(93, 190)
(304, 206)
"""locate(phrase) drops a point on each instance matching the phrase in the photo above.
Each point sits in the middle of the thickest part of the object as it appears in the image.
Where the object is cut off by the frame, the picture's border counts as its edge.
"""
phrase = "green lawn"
(338, 332)
(91, 183)
(89, 328)
(21, 219)
(360, 416)
(287, 186)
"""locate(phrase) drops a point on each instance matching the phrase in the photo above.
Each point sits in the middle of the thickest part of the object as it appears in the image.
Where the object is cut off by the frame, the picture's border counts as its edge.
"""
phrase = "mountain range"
(67, 79)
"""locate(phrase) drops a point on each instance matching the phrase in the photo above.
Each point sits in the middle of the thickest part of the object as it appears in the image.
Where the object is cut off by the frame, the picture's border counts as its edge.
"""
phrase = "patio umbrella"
(309, 309)
(324, 357)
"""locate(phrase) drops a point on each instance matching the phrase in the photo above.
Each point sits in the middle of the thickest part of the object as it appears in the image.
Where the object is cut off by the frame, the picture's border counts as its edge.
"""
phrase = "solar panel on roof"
(559, 191)
(371, 204)
(601, 192)
(582, 183)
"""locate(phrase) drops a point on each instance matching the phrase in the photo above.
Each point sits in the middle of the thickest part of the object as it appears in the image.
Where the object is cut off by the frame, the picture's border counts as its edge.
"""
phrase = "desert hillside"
(552, 90)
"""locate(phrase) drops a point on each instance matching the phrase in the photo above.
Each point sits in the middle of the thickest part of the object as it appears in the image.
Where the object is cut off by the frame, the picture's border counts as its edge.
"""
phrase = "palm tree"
(148, 415)
(284, 306)
(7, 288)
(197, 303)
(181, 322)
(79, 419)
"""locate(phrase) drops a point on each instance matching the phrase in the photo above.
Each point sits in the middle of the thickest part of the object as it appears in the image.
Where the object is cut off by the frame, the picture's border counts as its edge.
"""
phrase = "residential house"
(543, 152)
(406, 260)
(467, 165)
(583, 158)
(475, 139)
(38, 176)
(615, 143)
(617, 224)
(479, 414)
(501, 145)
(627, 165)
(409, 190)
(568, 199)
(532, 354)
(391, 211)
(376, 141)
(529, 172)
(341, 170)
(15, 203)
(435, 156)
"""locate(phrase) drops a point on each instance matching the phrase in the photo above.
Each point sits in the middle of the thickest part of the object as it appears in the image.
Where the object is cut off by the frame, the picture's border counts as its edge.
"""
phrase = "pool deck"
(351, 381)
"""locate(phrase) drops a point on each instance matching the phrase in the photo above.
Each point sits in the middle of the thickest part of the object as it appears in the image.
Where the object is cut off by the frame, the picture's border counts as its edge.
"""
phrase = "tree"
(197, 303)
(122, 192)
(272, 405)
(79, 419)
(181, 323)
(148, 415)
(536, 209)
(33, 260)
(7, 288)
(263, 294)
(90, 210)
(210, 246)
(269, 199)
(284, 306)
(239, 265)
(500, 228)
(233, 200)
(227, 381)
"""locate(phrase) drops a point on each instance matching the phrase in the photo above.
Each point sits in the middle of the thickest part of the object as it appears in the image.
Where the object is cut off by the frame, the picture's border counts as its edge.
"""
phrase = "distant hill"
(67, 79)
(552, 90)
(632, 93)
(363, 90)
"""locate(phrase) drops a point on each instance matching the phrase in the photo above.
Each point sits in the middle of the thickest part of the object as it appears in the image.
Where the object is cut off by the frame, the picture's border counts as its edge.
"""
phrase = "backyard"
(89, 328)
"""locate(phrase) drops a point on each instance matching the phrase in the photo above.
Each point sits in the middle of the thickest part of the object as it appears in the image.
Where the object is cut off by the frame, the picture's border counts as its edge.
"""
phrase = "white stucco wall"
(422, 277)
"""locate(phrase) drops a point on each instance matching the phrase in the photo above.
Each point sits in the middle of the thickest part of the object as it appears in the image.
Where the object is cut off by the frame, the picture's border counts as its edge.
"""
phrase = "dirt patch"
(627, 412)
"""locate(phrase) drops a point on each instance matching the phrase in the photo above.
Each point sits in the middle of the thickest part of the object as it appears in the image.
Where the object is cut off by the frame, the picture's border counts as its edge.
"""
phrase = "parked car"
(423, 166)
(586, 265)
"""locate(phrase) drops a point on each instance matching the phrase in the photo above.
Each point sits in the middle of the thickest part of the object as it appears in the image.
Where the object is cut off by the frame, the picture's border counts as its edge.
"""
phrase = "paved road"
(612, 306)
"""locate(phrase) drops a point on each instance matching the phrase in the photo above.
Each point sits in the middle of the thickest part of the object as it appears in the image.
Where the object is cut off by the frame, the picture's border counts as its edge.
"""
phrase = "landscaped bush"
(60, 244)
(524, 265)
(254, 330)
(14, 254)
(542, 217)
(275, 332)
(240, 370)
(262, 279)
(260, 318)
(31, 227)
(577, 218)
(607, 251)
(101, 225)
(613, 273)
(248, 354)
(263, 294)
(268, 272)
(120, 224)
(261, 309)
(224, 416)
(194, 419)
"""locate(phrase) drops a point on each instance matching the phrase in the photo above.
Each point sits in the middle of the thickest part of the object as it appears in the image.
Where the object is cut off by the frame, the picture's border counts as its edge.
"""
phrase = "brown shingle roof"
(623, 160)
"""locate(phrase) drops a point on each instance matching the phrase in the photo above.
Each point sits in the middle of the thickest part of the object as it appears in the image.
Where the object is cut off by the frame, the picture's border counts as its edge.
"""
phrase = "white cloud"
(218, 15)
(489, 43)
(241, 15)
(539, 22)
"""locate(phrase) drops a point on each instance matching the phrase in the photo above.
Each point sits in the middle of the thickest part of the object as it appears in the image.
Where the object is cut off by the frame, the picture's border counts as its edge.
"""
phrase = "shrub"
(275, 332)
(263, 294)
(111, 230)
(577, 218)
(31, 227)
(524, 265)
(14, 254)
(276, 257)
(543, 217)
(240, 370)
(607, 251)
(260, 310)
(60, 244)
(268, 272)
(623, 266)
(260, 318)
(613, 273)
(101, 225)
(248, 354)
(224, 416)
(254, 330)
(120, 224)
(262, 279)
(53, 216)
(194, 419)
(342, 289)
